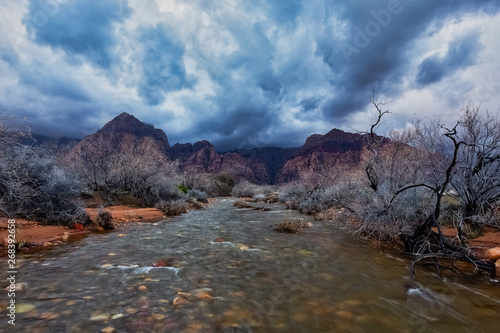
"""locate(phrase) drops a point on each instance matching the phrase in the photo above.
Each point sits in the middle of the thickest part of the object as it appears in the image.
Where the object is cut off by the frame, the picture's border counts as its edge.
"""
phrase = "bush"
(245, 190)
(293, 194)
(157, 189)
(104, 219)
(198, 195)
(173, 208)
(32, 185)
(319, 201)
(290, 226)
(223, 185)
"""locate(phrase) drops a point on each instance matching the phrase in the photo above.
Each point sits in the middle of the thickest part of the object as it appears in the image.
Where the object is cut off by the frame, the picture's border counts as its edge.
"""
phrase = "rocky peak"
(321, 152)
(127, 123)
(335, 141)
(185, 150)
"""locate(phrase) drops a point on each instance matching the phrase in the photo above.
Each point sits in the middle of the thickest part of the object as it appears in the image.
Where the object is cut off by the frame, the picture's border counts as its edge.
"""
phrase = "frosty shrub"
(173, 208)
(245, 189)
(32, 185)
(198, 195)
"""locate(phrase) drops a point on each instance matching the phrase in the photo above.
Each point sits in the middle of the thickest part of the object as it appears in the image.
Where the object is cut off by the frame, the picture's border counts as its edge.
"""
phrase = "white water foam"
(146, 270)
(143, 270)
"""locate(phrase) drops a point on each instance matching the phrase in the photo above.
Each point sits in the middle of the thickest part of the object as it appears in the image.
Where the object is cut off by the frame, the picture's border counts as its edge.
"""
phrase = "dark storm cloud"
(163, 64)
(374, 52)
(232, 118)
(50, 82)
(70, 120)
(311, 103)
(235, 72)
(284, 11)
(78, 27)
(461, 53)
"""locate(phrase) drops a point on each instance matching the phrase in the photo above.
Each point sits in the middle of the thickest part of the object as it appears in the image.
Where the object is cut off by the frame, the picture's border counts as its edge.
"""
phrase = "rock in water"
(179, 301)
(159, 263)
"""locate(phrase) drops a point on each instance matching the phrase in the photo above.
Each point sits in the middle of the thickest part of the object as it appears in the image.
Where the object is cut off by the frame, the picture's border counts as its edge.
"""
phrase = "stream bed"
(256, 280)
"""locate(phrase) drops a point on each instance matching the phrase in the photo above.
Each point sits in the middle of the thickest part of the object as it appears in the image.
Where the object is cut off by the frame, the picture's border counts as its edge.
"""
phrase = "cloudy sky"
(245, 73)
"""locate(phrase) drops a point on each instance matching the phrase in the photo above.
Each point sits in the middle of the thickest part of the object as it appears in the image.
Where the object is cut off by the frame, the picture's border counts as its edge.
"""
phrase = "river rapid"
(256, 280)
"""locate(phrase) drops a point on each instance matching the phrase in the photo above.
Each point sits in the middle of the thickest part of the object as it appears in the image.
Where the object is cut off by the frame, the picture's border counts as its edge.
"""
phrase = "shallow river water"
(257, 280)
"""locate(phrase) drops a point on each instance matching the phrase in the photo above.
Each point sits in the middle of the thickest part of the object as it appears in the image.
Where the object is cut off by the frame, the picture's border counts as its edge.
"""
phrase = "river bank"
(34, 236)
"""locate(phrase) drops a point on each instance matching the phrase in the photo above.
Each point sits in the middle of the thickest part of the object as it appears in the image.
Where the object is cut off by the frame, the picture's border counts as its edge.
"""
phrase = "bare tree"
(463, 157)
(476, 179)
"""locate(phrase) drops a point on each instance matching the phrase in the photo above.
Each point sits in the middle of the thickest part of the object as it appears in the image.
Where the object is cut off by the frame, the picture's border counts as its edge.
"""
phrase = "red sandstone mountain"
(183, 151)
(123, 140)
(321, 152)
(127, 123)
(207, 160)
(126, 134)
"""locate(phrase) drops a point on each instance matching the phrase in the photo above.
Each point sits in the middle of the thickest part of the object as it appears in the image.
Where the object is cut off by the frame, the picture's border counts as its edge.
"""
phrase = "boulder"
(493, 253)
(78, 226)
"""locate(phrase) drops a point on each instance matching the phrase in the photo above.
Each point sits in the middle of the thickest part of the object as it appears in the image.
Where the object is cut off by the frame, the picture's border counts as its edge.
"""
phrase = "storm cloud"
(243, 73)
(79, 27)
(461, 53)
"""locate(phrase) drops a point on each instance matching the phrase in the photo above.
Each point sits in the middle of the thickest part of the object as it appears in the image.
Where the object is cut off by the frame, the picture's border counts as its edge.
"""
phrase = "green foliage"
(182, 188)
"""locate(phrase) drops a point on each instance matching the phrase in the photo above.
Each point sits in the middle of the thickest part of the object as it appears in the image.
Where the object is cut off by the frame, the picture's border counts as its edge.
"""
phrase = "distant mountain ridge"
(268, 165)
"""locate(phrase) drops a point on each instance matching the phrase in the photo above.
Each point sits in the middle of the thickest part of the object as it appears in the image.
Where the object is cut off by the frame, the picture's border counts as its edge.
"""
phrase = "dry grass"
(242, 204)
(290, 226)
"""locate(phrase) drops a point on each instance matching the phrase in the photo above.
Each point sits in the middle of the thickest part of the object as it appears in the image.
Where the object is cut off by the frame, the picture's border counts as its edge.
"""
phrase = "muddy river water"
(256, 280)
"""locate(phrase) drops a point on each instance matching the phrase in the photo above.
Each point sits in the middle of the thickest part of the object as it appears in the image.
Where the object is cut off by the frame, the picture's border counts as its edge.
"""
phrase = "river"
(257, 280)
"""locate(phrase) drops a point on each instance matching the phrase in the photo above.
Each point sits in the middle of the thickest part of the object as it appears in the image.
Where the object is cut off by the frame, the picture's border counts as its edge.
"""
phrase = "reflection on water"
(256, 280)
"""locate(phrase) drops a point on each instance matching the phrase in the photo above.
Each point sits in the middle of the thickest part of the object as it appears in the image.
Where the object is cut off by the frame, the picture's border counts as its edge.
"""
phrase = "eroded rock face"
(124, 134)
(107, 145)
(322, 152)
(183, 151)
(316, 163)
(123, 145)
(207, 160)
